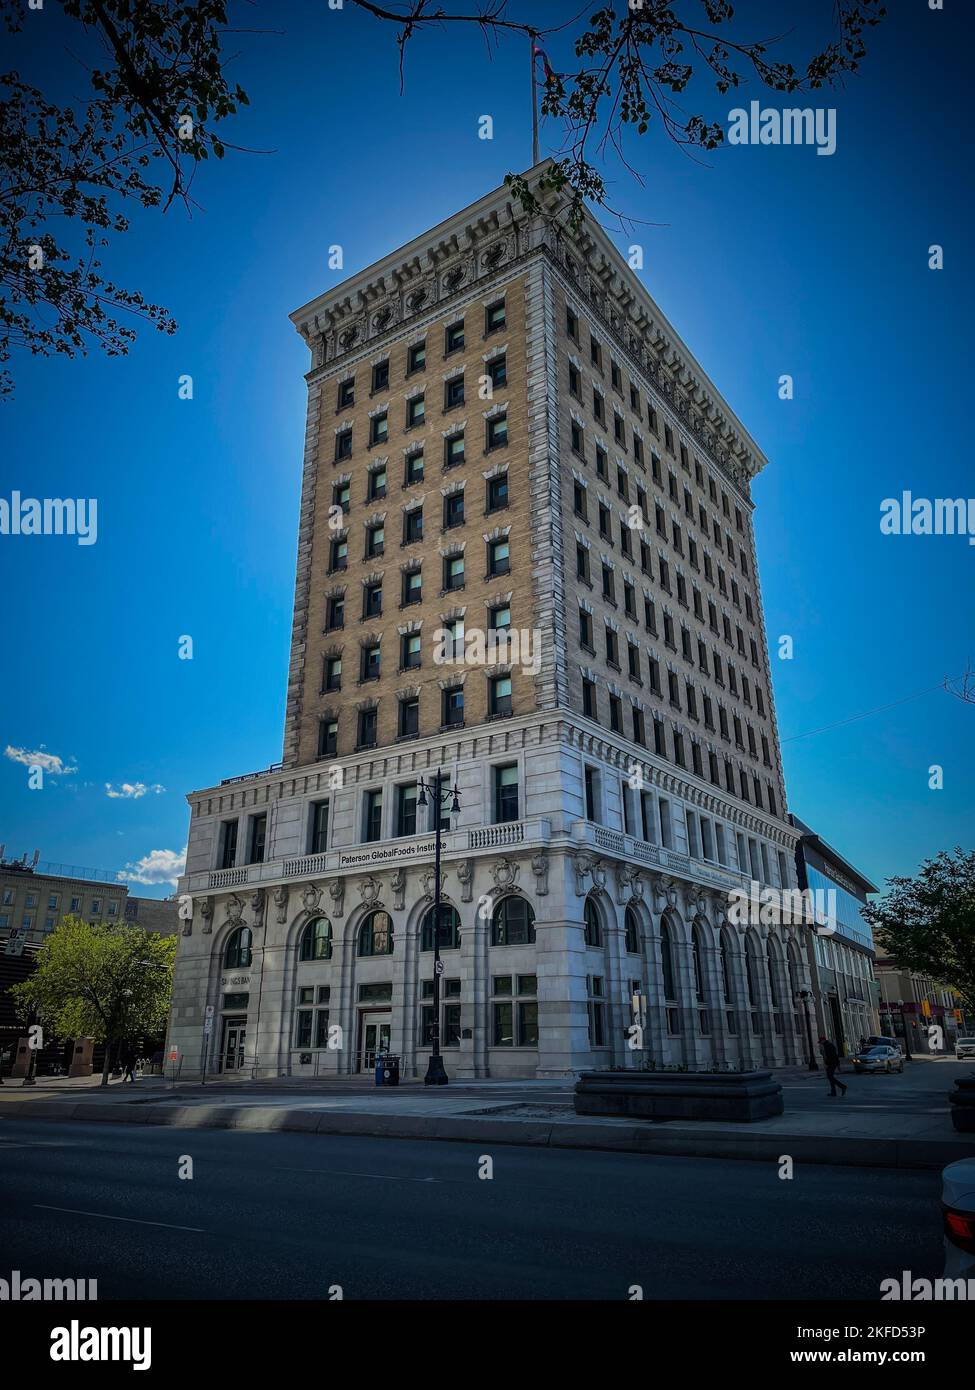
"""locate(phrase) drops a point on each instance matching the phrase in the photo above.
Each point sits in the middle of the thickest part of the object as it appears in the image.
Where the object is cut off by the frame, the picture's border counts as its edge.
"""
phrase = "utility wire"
(866, 713)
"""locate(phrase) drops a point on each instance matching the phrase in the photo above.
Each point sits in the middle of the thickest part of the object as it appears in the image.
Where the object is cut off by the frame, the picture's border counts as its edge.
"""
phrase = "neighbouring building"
(844, 986)
(911, 1005)
(526, 561)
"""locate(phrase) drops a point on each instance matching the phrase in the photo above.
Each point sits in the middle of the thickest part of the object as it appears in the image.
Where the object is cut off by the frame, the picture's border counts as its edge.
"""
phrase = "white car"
(958, 1215)
(964, 1047)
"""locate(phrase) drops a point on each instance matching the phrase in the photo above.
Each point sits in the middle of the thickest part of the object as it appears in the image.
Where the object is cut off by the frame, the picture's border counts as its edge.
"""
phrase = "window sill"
(449, 728)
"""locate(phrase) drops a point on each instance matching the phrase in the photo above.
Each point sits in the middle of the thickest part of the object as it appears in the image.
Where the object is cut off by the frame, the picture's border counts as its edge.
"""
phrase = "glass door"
(376, 1032)
(234, 1037)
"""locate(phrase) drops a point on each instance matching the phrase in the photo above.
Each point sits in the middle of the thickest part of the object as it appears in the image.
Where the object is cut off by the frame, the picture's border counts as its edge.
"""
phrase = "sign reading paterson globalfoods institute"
(378, 856)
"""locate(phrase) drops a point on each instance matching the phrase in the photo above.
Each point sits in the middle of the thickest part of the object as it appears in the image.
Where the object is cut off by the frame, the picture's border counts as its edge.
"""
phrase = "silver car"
(964, 1047)
(883, 1058)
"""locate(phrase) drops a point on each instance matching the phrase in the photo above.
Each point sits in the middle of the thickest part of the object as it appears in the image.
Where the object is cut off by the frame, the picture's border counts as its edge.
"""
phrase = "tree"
(102, 982)
(155, 75)
(634, 64)
(927, 923)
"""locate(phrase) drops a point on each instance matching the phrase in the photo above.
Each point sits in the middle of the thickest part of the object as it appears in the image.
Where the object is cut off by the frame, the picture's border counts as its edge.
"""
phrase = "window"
(506, 793)
(497, 370)
(341, 495)
(453, 510)
(414, 468)
(579, 501)
(338, 554)
(497, 493)
(409, 717)
(499, 560)
(597, 1010)
(413, 526)
(375, 540)
(346, 396)
(343, 445)
(667, 963)
(453, 392)
(514, 1007)
(372, 819)
(316, 940)
(406, 809)
(454, 449)
(416, 410)
(372, 600)
(632, 931)
(454, 337)
(592, 931)
(572, 324)
(412, 587)
(499, 696)
(499, 618)
(328, 737)
(453, 707)
(585, 630)
(237, 953)
(416, 358)
(258, 837)
(228, 845)
(513, 923)
(494, 317)
(380, 375)
(379, 428)
(449, 937)
(367, 729)
(497, 432)
(453, 572)
(589, 707)
(376, 935)
(410, 651)
(335, 612)
(318, 839)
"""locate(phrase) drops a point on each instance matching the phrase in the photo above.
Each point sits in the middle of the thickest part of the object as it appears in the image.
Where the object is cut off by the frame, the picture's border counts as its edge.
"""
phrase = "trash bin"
(391, 1073)
(380, 1070)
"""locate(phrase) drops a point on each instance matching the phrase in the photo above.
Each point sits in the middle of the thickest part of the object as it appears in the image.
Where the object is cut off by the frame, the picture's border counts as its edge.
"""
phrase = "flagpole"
(531, 54)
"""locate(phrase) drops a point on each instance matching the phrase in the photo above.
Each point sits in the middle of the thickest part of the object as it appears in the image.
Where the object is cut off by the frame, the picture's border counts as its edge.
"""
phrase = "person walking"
(128, 1063)
(831, 1061)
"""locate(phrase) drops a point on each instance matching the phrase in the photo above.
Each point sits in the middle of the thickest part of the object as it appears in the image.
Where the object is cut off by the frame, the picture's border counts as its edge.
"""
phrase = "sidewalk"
(906, 1127)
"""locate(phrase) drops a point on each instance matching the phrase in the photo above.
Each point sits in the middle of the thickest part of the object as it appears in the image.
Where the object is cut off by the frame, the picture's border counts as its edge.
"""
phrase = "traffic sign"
(439, 967)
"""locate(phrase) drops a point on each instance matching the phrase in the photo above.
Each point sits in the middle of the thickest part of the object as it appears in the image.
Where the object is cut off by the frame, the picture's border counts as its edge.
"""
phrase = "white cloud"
(131, 791)
(49, 762)
(158, 866)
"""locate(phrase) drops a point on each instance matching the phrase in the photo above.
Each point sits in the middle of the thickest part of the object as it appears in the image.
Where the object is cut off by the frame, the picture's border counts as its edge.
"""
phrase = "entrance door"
(234, 1036)
(376, 1030)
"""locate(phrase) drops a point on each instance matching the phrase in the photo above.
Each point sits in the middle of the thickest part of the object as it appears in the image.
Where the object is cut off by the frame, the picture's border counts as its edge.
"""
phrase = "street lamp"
(806, 995)
(436, 1073)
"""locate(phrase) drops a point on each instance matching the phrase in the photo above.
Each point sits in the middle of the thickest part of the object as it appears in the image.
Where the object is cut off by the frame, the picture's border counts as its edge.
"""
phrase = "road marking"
(133, 1220)
(339, 1173)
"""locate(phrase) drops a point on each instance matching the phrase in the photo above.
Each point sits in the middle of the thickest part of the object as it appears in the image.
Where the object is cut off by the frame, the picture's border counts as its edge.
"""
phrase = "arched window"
(632, 931)
(773, 982)
(699, 977)
(726, 987)
(593, 931)
(376, 935)
(238, 951)
(794, 977)
(751, 972)
(316, 940)
(449, 929)
(667, 962)
(513, 923)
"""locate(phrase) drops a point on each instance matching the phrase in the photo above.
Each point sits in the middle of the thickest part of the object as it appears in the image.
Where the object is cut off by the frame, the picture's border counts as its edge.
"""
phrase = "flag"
(539, 52)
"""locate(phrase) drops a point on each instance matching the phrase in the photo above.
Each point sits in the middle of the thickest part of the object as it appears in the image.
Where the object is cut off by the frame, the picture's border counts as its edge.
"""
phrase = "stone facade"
(617, 778)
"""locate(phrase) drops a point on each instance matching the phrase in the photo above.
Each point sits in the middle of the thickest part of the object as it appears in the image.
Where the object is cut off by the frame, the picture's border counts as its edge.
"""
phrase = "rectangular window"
(406, 809)
(494, 317)
(497, 493)
(379, 428)
(453, 392)
(454, 337)
(499, 697)
(409, 717)
(258, 836)
(328, 737)
(318, 839)
(506, 793)
(416, 359)
(380, 375)
(372, 822)
(228, 844)
(453, 707)
(497, 432)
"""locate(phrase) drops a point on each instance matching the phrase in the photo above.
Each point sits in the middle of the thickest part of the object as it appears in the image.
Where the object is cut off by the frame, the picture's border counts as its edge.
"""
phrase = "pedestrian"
(128, 1062)
(831, 1061)
(862, 1045)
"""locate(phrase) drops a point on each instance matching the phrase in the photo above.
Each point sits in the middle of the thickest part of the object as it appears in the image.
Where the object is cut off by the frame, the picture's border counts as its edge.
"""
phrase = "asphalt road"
(288, 1216)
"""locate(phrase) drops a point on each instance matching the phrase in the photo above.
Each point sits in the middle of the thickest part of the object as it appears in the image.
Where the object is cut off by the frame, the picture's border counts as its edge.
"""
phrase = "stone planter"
(736, 1096)
(962, 1101)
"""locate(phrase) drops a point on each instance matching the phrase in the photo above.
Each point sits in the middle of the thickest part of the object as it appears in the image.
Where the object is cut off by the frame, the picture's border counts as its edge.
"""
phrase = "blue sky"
(768, 260)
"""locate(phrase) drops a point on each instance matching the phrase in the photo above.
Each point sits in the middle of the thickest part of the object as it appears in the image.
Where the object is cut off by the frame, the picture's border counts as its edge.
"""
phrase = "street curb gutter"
(645, 1139)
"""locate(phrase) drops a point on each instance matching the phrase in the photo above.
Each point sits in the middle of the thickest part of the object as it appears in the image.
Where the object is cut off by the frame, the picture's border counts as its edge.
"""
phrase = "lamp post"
(436, 1073)
(806, 995)
(908, 1055)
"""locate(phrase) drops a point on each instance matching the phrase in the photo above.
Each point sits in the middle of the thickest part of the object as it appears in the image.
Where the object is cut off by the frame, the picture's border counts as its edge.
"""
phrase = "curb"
(644, 1139)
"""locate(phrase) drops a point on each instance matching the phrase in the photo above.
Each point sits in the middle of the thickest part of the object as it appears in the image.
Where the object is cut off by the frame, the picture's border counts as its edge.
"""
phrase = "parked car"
(964, 1047)
(958, 1216)
(880, 1058)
